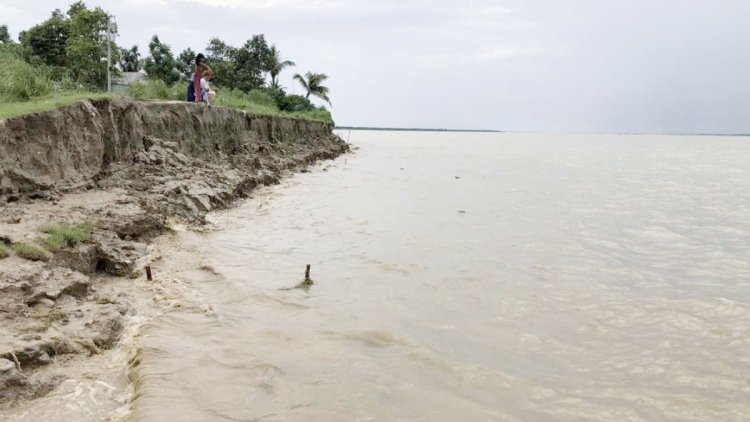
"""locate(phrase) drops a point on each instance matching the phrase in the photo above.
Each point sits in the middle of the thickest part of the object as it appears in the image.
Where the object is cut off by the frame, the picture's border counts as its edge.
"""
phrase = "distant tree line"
(72, 47)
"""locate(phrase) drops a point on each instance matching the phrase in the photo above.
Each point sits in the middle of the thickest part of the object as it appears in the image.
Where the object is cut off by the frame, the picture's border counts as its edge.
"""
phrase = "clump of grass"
(256, 101)
(157, 90)
(4, 252)
(61, 235)
(22, 81)
(31, 252)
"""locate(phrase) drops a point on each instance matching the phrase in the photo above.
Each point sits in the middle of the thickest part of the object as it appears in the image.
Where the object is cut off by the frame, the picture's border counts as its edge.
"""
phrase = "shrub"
(262, 97)
(31, 252)
(178, 91)
(157, 90)
(62, 234)
(296, 103)
(256, 101)
(21, 81)
(4, 251)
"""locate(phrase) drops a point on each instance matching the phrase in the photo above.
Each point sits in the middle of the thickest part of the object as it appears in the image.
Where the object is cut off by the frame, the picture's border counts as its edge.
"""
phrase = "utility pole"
(109, 55)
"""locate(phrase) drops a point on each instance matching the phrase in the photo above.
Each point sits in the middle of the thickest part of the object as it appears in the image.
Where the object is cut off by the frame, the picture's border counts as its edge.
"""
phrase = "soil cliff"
(117, 171)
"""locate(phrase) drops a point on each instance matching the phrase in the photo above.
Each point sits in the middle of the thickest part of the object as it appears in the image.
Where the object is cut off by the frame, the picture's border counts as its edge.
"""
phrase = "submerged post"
(148, 273)
(307, 272)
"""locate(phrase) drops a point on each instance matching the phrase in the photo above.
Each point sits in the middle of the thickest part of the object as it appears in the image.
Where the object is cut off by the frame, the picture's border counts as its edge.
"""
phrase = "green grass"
(4, 252)
(256, 102)
(22, 81)
(157, 90)
(35, 105)
(31, 252)
(260, 103)
(60, 235)
(28, 89)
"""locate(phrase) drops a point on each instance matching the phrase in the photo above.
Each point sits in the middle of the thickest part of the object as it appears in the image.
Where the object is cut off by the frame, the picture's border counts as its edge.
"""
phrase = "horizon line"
(417, 129)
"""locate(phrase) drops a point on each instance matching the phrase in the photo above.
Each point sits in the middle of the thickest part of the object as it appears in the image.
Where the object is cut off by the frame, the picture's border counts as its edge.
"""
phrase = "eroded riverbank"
(126, 172)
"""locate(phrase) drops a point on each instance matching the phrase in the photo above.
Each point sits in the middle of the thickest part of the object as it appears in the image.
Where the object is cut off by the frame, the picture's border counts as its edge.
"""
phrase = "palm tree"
(130, 60)
(276, 65)
(312, 84)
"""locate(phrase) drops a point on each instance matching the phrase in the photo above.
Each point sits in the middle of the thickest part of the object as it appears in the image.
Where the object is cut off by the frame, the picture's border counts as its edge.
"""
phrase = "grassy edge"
(38, 105)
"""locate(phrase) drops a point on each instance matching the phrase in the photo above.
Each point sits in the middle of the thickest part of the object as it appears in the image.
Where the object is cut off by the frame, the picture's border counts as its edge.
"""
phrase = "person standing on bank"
(194, 86)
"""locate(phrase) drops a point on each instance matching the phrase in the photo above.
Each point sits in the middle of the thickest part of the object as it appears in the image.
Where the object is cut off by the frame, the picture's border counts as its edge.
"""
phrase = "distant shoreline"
(402, 129)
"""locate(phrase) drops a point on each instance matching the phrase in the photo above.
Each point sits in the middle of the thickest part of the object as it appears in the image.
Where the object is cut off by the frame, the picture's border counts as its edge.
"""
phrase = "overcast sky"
(526, 65)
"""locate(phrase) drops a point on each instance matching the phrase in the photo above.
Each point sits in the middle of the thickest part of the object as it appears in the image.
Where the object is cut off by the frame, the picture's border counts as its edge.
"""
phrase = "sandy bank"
(126, 170)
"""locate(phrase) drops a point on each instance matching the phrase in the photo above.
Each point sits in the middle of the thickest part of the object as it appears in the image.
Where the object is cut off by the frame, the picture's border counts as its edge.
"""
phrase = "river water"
(469, 277)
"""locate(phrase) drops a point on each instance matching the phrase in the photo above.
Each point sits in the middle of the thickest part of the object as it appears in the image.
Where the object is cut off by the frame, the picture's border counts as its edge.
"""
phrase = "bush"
(157, 90)
(178, 91)
(256, 101)
(262, 97)
(63, 234)
(31, 252)
(4, 251)
(20, 81)
(296, 103)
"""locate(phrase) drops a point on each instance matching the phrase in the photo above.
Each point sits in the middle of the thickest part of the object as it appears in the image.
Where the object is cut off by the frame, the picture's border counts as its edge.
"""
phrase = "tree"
(220, 57)
(251, 62)
(161, 63)
(218, 50)
(46, 43)
(312, 83)
(276, 65)
(5, 35)
(87, 44)
(241, 68)
(185, 62)
(130, 60)
(76, 7)
(72, 43)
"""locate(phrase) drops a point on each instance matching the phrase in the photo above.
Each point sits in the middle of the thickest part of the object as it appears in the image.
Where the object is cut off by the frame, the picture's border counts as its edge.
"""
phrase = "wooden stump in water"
(307, 282)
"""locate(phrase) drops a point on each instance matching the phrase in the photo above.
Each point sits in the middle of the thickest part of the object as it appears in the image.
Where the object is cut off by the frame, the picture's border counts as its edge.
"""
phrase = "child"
(207, 95)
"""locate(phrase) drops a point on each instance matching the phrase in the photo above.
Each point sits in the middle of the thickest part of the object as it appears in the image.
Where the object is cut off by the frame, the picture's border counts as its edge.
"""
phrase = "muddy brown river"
(468, 277)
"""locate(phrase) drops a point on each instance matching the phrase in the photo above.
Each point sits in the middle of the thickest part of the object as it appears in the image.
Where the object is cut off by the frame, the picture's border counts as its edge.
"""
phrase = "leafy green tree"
(313, 84)
(5, 35)
(46, 43)
(276, 65)
(185, 62)
(76, 7)
(87, 44)
(251, 61)
(220, 57)
(161, 64)
(218, 50)
(130, 60)
(72, 44)
(241, 68)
